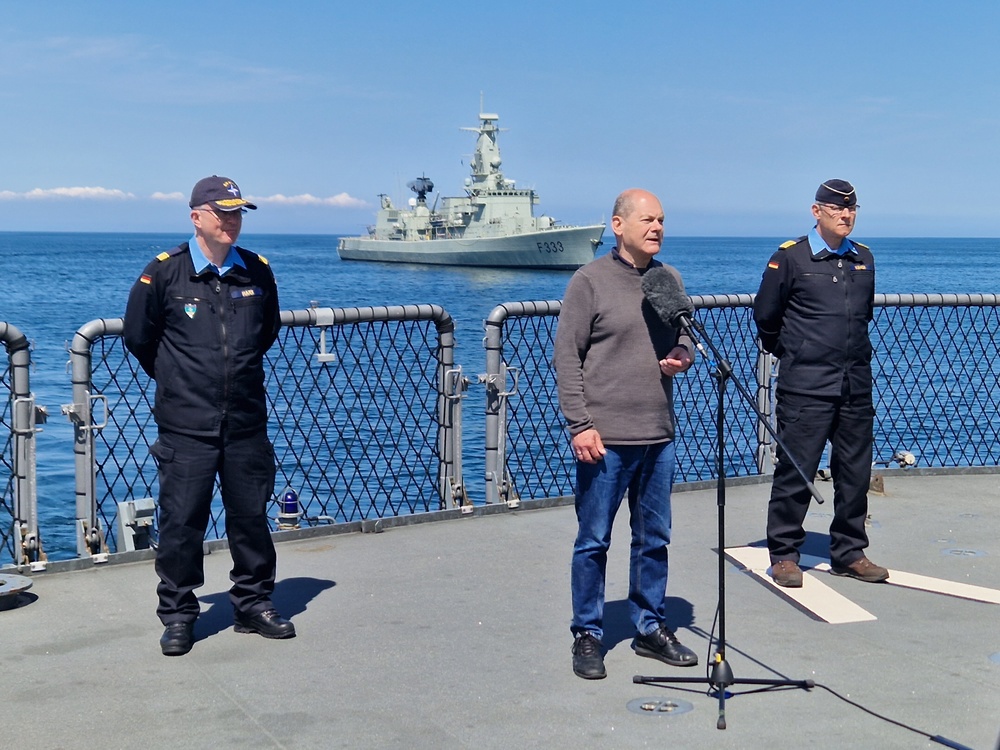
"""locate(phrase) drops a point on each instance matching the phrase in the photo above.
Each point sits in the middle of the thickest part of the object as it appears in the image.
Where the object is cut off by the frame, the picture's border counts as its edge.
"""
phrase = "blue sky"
(731, 111)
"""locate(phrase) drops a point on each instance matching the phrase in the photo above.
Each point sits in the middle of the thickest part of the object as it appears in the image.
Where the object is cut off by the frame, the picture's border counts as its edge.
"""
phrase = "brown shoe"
(863, 569)
(787, 573)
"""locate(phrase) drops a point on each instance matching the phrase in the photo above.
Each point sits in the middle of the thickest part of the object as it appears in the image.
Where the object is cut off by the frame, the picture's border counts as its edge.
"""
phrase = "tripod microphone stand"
(721, 675)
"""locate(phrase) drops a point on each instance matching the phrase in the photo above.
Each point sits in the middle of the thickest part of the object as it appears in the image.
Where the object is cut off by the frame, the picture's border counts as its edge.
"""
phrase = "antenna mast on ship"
(486, 174)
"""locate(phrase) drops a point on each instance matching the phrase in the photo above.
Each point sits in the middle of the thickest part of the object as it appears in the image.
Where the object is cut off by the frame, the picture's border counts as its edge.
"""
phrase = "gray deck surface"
(456, 635)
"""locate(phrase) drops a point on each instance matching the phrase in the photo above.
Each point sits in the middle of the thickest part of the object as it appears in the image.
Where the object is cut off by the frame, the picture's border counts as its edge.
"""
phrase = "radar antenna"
(421, 186)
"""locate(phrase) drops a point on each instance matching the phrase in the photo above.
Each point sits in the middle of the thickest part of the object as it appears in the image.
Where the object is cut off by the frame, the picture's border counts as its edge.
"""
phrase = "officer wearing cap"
(812, 311)
(199, 320)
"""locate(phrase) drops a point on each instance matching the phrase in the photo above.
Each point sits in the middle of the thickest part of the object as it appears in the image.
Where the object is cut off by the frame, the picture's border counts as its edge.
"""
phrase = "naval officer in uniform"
(813, 308)
(199, 320)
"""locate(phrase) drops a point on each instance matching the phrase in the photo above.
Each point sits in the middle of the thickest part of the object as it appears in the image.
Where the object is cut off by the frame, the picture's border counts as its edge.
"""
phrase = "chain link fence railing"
(366, 411)
(532, 446)
(937, 378)
(936, 375)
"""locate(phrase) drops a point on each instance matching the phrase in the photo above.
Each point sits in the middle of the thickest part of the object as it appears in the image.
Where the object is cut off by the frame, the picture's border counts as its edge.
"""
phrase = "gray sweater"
(608, 345)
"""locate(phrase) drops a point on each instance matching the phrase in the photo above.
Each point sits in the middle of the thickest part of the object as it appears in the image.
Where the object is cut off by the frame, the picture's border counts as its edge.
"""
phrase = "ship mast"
(486, 174)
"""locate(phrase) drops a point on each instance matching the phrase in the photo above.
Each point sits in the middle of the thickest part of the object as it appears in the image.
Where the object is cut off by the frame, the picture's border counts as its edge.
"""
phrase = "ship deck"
(455, 634)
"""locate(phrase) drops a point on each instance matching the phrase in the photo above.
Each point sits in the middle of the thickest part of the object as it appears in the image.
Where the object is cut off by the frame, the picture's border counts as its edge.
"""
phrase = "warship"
(492, 225)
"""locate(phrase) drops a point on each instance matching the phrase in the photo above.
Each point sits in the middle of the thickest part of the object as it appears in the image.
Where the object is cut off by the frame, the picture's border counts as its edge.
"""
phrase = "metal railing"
(936, 391)
(366, 411)
(527, 450)
(365, 408)
(19, 500)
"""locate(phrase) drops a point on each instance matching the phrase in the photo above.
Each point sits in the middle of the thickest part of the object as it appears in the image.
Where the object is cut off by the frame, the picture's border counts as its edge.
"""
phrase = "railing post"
(451, 390)
(90, 538)
(765, 457)
(499, 483)
(24, 418)
(494, 381)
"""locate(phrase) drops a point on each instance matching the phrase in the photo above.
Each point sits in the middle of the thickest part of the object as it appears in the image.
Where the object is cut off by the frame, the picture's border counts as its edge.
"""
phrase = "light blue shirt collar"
(202, 263)
(817, 245)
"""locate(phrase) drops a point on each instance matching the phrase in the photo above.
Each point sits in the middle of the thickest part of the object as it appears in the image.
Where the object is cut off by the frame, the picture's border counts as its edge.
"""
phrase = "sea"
(53, 283)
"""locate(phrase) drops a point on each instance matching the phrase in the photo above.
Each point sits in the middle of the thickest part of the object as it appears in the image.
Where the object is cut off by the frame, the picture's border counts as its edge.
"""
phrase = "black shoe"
(588, 662)
(177, 638)
(662, 644)
(268, 623)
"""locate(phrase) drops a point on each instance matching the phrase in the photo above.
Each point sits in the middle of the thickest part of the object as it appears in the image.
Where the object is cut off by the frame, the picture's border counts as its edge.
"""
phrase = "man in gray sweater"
(615, 361)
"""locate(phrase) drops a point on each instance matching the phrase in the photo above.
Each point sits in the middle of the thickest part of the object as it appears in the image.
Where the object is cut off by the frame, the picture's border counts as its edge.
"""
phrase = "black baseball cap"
(219, 192)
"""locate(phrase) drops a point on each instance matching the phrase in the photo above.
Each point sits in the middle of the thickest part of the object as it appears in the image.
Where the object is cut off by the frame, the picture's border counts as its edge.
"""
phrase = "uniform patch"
(190, 308)
(146, 279)
(772, 264)
(162, 256)
(251, 291)
(860, 267)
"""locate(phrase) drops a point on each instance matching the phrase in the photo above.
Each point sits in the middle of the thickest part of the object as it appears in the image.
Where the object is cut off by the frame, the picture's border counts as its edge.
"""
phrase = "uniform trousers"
(805, 423)
(187, 468)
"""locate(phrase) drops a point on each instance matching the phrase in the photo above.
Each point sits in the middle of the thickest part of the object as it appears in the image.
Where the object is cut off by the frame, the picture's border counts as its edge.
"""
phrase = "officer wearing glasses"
(812, 311)
(199, 320)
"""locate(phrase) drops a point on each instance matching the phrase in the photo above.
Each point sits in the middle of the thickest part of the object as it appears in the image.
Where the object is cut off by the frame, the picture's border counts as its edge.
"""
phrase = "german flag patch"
(773, 265)
(146, 279)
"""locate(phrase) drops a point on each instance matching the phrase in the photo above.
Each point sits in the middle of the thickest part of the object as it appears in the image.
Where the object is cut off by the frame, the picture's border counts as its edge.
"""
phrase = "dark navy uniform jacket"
(202, 338)
(812, 312)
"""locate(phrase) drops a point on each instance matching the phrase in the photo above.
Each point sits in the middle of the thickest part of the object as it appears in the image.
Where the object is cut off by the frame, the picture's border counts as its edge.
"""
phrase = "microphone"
(667, 298)
(670, 303)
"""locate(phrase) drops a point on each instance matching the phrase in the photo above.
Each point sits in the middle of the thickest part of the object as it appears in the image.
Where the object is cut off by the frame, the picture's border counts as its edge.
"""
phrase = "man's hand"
(677, 361)
(588, 447)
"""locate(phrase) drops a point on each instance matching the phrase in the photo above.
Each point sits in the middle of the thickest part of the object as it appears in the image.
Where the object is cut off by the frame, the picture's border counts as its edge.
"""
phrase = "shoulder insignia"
(861, 245)
(172, 252)
(251, 255)
(786, 245)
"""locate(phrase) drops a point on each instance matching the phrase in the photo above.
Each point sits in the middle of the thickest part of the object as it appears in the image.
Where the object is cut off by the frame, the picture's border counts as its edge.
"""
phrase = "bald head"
(626, 202)
(638, 226)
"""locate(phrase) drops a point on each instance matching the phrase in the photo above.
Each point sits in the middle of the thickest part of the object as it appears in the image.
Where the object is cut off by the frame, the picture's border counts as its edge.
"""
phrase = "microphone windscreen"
(666, 295)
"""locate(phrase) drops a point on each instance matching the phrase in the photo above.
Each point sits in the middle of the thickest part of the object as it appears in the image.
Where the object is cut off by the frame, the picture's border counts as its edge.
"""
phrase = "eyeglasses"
(224, 216)
(837, 210)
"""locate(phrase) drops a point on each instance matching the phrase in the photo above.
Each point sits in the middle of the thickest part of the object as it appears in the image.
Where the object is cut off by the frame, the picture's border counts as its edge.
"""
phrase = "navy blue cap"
(220, 192)
(837, 193)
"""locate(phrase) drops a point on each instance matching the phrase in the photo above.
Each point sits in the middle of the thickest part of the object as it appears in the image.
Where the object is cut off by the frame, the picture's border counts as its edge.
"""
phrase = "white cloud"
(341, 200)
(87, 193)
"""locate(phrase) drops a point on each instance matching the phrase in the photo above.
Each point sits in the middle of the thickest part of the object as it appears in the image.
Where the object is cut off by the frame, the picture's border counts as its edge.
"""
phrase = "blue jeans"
(647, 473)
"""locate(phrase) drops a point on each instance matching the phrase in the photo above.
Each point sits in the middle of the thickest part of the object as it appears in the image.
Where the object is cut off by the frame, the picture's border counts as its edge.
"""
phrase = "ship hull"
(559, 248)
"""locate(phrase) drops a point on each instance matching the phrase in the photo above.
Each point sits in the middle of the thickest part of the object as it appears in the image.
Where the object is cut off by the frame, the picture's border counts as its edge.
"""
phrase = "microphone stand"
(722, 675)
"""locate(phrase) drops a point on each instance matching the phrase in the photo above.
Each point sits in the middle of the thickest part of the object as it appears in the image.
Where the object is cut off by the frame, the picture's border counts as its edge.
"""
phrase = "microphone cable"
(710, 660)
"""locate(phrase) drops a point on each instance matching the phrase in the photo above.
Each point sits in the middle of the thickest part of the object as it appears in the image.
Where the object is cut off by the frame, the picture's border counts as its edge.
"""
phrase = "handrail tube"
(25, 500)
(495, 390)
(90, 539)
